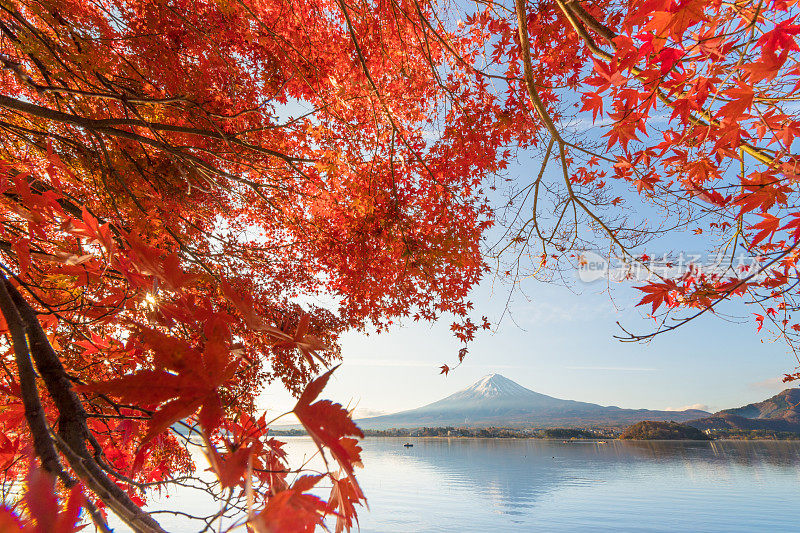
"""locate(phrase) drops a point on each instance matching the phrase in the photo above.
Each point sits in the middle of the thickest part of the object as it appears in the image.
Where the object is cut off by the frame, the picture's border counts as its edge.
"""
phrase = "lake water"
(534, 485)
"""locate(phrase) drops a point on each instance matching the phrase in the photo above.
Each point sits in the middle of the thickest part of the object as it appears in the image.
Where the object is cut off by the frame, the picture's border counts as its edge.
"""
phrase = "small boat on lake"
(408, 445)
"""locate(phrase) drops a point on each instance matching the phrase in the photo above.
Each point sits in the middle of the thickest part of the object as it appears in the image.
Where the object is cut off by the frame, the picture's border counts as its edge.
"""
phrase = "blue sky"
(561, 343)
(559, 340)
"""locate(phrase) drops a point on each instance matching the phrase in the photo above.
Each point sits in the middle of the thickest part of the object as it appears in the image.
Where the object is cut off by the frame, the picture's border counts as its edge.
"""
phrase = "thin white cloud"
(699, 406)
(366, 412)
(548, 313)
(349, 361)
(613, 368)
(364, 362)
(771, 384)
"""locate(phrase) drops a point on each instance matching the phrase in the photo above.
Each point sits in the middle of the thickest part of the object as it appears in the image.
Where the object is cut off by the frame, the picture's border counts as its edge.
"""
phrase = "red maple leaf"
(768, 226)
(188, 384)
(658, 293)
(342, 501)
(329, 424)
(292, 510)
(44, 513)
(593, 102)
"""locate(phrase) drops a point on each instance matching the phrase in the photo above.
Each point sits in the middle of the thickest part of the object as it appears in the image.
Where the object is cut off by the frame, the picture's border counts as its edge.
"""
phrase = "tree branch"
(72, 429)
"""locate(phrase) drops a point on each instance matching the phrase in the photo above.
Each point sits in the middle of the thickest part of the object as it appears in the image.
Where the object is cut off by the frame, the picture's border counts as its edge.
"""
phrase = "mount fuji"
(495, 400)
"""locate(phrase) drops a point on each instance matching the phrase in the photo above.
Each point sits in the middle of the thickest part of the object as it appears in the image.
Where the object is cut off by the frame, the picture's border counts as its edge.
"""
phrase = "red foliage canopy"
(179, 179)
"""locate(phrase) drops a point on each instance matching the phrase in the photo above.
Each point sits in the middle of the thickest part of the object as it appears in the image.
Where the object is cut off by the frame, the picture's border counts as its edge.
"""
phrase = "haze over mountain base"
(496, 400)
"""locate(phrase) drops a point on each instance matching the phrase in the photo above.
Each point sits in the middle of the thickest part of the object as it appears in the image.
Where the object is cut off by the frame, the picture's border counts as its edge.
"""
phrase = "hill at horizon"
(778, 413)
(649, 430)
(495, 400)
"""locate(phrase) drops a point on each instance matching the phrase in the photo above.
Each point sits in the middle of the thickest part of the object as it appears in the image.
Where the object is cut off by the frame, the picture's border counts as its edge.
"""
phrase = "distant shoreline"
(550, 434)
(578, 441)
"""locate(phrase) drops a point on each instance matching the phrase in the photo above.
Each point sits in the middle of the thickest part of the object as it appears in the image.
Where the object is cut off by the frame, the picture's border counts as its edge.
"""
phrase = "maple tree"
(180, 179)
(656, 117)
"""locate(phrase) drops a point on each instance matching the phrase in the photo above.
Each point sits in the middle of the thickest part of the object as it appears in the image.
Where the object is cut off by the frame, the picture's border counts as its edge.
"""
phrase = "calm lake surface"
(534, 485)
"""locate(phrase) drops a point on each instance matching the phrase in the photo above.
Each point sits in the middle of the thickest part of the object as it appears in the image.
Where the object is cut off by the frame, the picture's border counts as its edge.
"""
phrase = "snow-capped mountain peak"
(496, 388)
(497, 400)
(495, 385)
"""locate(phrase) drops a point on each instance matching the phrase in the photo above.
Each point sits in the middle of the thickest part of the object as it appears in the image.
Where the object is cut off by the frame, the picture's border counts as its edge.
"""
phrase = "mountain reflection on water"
(514, 485)
(520, 485)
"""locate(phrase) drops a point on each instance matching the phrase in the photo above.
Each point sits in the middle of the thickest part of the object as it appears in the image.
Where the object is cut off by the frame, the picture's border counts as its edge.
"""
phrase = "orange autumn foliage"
(179, 179)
